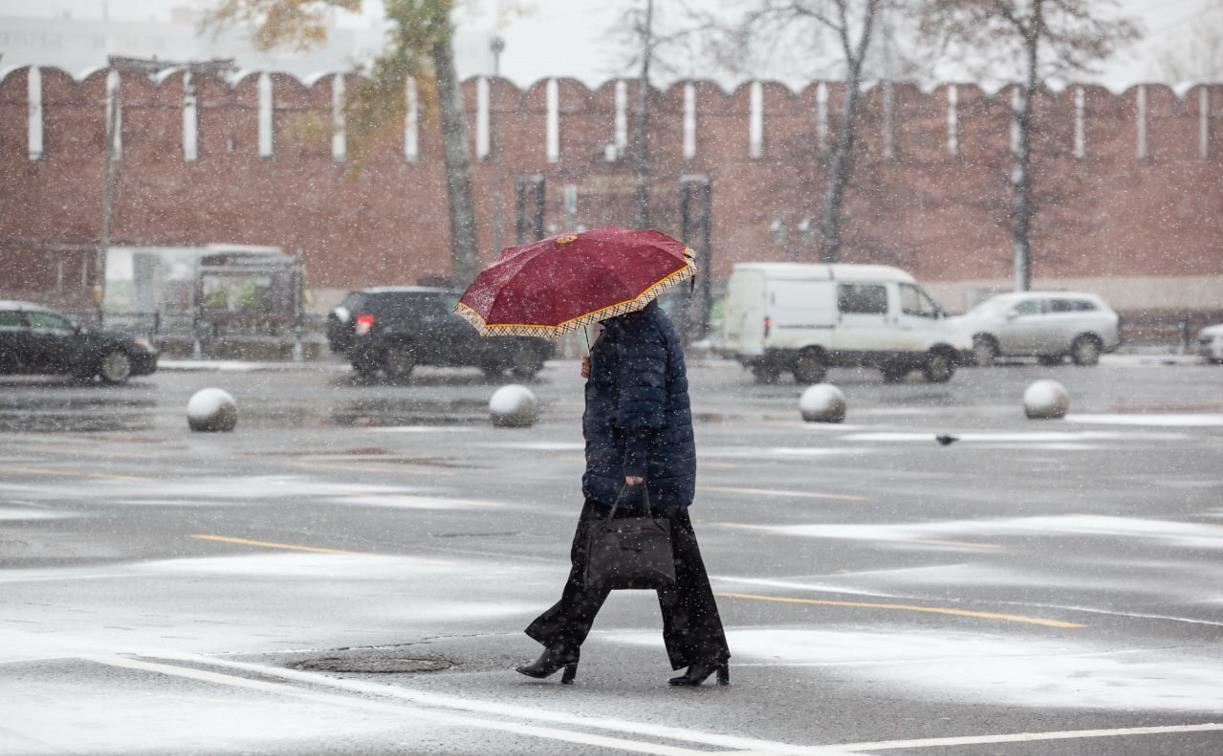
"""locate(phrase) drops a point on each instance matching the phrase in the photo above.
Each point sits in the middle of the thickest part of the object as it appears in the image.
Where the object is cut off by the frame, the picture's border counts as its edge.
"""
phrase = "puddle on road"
(373, 454)
(71, 407)
(371, 663)
(380, 413)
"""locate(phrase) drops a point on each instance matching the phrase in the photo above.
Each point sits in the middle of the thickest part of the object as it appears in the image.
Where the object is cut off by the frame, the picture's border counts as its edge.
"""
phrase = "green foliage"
(274, 23)
(375, 104)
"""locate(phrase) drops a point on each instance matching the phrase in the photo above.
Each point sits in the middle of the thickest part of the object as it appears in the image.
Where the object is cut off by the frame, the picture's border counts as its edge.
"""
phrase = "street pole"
(641, 147)
(497, 45)
(108, 193)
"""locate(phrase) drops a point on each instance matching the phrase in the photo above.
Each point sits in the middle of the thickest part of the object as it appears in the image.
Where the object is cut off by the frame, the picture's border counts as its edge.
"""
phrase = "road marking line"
(780, 492)
(907, 608)
(964, 544)
(1025, 737)
(441, 717)
(429, 698)
(80, 451)
(407, 469)
(928, 541)
(71, 474)
(813, 587)
(441, 700)
(284, 546)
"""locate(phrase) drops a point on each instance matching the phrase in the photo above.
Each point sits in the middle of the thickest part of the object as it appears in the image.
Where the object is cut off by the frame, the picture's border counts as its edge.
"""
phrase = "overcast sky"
(570, 37)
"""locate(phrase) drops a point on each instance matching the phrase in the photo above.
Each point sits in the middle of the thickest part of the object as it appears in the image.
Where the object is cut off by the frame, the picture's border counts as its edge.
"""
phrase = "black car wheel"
(939, 367)
(767, 373)
(984, 351)
(1085, 351)
(116, 367)
(364, 371)
(810, 366)
(526, 362)
(399, 363)
(894, 373)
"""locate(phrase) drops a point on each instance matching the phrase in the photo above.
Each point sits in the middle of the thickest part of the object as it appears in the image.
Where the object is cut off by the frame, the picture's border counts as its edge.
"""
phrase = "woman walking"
(639, 449)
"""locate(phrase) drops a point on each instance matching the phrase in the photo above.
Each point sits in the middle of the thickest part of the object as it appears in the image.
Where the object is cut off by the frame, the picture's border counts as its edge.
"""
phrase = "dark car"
(394, 329)
(36, 340)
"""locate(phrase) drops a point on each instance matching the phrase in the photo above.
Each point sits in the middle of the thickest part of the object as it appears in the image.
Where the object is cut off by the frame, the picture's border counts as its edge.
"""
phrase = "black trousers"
(692, 628)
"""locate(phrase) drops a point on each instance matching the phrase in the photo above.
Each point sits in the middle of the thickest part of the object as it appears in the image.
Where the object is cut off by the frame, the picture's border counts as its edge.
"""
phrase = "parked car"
(36, 340)
(394, 329)
(1210, 343)
(1047, 325)
(805, 318)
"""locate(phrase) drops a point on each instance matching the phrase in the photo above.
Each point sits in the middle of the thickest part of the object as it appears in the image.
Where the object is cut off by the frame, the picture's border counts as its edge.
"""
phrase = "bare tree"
(1198, 55)
(849, 27)
(644, 29)
(659, 35)
(419, 47)
(1047, 38)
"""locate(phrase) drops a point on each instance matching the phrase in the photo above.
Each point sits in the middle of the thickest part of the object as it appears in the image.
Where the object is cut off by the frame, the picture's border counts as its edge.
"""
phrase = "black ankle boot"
(697, 673)
(552, 659)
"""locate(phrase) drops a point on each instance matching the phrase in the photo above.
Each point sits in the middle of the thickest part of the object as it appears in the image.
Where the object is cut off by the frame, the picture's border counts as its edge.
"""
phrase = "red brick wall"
(941, 216)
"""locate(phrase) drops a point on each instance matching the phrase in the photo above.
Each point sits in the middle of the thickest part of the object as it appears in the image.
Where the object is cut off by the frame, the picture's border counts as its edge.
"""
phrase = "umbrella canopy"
(560, 284)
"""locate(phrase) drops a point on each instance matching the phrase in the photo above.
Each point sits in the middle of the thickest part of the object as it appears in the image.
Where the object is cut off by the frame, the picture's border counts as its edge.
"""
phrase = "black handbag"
(630, 552)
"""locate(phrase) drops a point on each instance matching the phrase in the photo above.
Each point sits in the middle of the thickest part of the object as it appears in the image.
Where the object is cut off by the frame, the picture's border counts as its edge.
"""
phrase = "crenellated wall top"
(574, 87)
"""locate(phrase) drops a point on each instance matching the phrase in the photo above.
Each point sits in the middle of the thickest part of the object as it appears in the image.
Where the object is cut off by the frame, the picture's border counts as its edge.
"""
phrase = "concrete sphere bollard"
(1046, 400)
(822, 403)
(513, 406)
(212, 410)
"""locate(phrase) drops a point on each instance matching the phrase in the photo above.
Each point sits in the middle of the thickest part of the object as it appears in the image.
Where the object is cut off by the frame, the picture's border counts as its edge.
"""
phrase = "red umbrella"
(560, 284)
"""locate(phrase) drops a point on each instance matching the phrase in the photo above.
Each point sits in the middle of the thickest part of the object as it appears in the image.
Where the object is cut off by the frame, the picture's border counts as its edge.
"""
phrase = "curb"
(235, 366)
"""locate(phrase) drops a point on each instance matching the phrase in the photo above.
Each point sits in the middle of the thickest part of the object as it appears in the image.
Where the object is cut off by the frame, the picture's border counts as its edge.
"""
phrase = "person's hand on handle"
(586, 367)
(633, 480)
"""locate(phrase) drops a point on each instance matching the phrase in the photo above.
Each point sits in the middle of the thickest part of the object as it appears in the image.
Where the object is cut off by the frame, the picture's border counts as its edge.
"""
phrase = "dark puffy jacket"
(637, 420)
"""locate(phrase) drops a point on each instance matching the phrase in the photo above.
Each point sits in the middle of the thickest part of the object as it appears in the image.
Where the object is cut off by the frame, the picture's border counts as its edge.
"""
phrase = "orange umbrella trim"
(556, 331)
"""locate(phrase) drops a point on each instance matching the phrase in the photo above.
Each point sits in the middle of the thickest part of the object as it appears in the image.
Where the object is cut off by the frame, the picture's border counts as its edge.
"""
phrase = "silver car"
(1210, 343)
(1046, 325)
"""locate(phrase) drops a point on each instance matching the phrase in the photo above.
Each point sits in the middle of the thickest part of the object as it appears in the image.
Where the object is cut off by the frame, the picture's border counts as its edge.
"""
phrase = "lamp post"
(497, 45)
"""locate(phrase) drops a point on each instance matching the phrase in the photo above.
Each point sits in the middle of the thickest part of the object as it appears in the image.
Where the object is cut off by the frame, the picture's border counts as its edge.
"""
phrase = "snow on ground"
(240, 490)
(983, 667)
(1031, 437)
(125, 716)
(1182, 420)
(1167, 532)
(18, 514)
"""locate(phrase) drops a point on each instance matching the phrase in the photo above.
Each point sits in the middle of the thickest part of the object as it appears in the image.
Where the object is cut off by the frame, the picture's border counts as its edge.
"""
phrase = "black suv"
(394, 329)
(36, 340)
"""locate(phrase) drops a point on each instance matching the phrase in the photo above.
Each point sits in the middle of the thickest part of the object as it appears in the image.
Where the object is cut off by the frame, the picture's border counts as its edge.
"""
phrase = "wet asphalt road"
(1035, 587)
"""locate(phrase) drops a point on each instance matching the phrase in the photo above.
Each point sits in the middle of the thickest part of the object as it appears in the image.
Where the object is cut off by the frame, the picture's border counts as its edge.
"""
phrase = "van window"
(862, 299)
(430, 307)
(914, 301)
(10, 319)
(48, 320)
(1084, 305)
(1027, 307)
(1062, 305)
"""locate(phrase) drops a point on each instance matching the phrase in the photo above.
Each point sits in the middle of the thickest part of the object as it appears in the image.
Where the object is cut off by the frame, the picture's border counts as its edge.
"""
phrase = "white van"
(806, 318)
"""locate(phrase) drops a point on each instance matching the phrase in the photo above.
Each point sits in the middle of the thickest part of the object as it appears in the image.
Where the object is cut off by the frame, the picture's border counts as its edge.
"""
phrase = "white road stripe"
(430, 699)
(1023, 737)
(458, 720)
(780, 492)
(813, 587)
